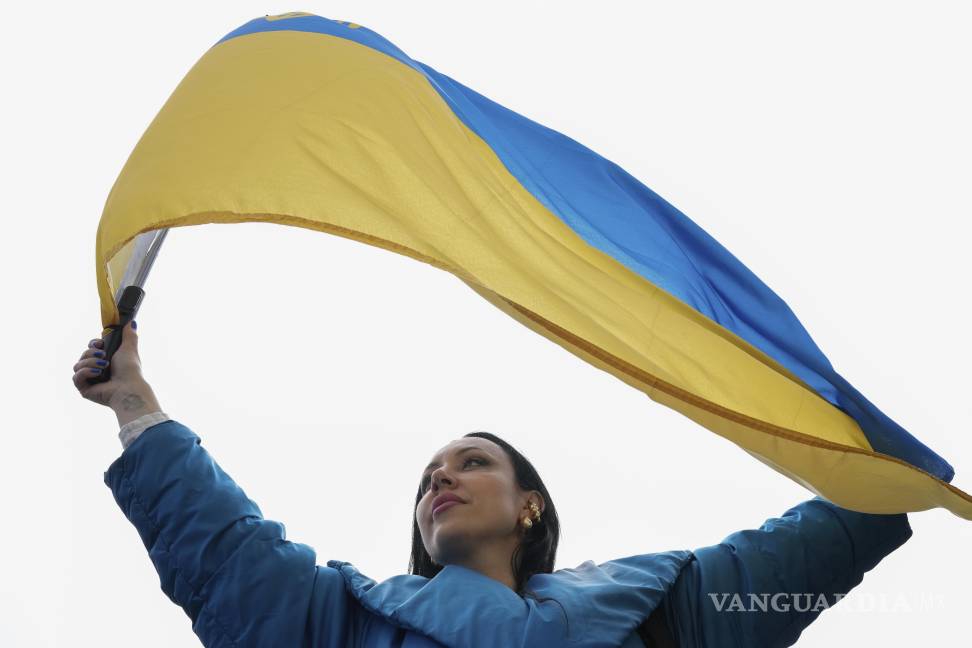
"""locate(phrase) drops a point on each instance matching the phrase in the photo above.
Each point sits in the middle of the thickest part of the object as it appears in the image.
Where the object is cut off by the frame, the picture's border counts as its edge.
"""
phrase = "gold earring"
(527, 522)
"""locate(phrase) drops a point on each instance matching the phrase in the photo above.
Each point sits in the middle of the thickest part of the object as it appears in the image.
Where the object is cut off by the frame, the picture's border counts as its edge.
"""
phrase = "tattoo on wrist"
(131, 401)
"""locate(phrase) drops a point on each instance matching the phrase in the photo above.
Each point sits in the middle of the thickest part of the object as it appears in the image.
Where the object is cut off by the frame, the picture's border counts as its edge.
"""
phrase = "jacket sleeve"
(233, 572)
(762, 587)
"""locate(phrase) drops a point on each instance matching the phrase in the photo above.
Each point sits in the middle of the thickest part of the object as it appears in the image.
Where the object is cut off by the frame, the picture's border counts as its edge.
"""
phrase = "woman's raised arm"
(762, 587)
(232, 571)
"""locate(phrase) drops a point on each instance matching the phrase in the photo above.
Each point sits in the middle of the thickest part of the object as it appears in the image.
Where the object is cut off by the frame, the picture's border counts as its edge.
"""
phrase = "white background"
(826, 144)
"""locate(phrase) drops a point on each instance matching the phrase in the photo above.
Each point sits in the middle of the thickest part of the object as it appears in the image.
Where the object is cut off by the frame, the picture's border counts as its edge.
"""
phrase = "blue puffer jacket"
(243, 584)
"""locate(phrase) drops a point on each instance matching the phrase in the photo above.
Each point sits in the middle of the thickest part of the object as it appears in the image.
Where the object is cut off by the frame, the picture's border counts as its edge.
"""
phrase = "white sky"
(826, 144)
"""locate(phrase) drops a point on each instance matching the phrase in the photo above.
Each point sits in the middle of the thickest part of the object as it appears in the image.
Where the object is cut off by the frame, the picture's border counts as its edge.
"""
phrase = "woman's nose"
(440, 477)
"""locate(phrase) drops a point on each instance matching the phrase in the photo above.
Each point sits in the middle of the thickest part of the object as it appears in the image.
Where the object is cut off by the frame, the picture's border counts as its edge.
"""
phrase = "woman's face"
(488, 503)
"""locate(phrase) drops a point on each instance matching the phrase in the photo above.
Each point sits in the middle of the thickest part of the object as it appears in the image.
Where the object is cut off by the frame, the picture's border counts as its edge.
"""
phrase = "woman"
(484, 540)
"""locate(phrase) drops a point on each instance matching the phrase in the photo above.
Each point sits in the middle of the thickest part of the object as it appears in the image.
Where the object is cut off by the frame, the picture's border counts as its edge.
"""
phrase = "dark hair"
(534, 555)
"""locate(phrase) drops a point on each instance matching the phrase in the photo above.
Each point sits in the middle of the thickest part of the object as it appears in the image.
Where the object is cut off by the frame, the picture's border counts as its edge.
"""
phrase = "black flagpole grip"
(128, 305)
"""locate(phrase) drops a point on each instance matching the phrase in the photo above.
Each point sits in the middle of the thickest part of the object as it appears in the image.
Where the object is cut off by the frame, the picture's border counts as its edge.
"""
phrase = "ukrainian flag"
(324, 124)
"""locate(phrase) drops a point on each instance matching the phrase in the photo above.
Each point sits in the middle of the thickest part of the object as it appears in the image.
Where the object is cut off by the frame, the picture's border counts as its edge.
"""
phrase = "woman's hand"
(127, 392)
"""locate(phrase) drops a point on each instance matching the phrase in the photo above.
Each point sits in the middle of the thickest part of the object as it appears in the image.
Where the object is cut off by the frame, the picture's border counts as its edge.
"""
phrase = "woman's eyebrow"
(435, 464)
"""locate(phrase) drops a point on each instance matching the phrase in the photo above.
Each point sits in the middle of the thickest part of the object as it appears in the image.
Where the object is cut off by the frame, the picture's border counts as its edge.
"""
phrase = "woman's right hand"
(126, 370)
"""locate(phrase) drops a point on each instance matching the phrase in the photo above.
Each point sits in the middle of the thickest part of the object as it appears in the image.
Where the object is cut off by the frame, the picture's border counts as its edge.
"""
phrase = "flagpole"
(128, 299)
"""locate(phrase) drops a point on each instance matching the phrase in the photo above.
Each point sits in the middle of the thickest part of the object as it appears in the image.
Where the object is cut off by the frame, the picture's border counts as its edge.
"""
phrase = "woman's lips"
(443, 506)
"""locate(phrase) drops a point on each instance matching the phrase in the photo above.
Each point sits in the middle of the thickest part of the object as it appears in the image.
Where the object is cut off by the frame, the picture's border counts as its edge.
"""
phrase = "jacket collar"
(595, 605)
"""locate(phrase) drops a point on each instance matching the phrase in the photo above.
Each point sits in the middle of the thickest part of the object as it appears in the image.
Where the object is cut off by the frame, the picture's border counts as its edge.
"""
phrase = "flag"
(323, 124)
